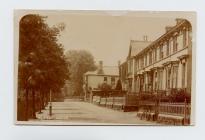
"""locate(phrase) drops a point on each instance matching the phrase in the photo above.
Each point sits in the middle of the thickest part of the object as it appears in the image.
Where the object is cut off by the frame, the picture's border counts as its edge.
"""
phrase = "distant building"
(162, 65)
(103, 74)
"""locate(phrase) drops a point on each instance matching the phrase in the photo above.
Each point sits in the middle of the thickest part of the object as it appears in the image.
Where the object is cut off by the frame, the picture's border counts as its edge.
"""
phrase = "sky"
(107, 35)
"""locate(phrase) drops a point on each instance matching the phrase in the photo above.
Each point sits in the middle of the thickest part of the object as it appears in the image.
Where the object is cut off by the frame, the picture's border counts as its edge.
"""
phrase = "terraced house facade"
(162, 65)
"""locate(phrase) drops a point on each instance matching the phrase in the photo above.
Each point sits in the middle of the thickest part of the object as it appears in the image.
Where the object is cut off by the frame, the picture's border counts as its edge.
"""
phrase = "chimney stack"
(100, 67)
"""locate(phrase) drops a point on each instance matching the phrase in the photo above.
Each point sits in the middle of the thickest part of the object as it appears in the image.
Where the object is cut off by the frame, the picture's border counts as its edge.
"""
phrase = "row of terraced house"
(161, 65)
(160, 68)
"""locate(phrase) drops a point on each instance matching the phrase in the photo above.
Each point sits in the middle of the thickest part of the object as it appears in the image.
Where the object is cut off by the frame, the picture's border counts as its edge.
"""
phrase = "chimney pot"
(145, 38)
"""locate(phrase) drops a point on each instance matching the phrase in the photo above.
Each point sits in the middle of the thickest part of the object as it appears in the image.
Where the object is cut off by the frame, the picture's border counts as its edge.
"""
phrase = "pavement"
(75, 111)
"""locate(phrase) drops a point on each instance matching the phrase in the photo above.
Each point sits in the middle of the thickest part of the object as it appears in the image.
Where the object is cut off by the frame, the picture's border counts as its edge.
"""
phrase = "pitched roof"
(137, 46)
(107, 70)
(181, 23)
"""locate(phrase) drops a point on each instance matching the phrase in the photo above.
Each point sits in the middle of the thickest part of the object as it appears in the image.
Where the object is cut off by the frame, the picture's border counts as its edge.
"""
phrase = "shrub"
(105, 87)
(179, 96)
(147, 96)
(176, 95)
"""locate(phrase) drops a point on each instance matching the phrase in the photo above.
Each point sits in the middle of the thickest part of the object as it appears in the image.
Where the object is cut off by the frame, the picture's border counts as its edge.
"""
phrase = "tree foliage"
(42, 64)
(119, 85)
(41, 58)
(81, 61)
(105, 87)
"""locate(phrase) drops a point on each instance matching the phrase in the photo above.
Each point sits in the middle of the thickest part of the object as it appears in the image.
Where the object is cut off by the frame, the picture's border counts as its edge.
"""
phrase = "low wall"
(123, 102)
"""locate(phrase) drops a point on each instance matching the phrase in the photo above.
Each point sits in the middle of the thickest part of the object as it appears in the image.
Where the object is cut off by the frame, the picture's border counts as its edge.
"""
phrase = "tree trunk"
(33, 105)
(43, 101)
(47, 98)
(40, 101)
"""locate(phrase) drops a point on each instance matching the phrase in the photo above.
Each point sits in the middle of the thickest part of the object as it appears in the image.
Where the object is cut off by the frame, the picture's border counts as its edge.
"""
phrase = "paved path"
(83, 112)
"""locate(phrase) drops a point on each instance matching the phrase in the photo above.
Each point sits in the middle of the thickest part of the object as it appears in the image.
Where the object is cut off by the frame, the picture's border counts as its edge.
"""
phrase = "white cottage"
(103, 74)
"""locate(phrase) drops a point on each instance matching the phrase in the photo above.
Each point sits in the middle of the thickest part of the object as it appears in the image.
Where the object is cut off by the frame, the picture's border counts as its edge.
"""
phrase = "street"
(75, 111)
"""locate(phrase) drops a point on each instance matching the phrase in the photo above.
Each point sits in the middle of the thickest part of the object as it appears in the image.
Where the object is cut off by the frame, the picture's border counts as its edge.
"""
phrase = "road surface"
(75, 111)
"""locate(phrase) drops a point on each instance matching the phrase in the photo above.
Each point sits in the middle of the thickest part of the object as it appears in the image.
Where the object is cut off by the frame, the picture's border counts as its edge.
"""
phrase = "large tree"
(81, 61)
(42, 63)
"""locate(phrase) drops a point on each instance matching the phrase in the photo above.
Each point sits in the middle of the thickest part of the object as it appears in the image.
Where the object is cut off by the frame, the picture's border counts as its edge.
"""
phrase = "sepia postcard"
(104, 67)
